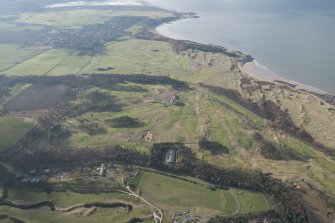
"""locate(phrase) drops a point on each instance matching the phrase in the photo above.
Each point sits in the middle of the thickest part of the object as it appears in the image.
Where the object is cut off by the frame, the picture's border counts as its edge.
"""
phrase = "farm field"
(166, 191)
(238, 117)
(36, 97)
(12, 129)
(81, 17)
(125, 57)
(253, 201)
(70, 199)
(11, 54)
(139, 57)
(64, 199)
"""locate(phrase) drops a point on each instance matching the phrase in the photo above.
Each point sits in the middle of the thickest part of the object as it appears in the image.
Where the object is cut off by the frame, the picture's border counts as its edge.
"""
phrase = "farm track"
(83, 67)
(158, 214)
(238, 204)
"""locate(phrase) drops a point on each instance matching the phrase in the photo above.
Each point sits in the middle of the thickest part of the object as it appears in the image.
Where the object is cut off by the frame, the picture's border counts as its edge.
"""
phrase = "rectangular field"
(174, 192)
(12, 129)
(37, 97)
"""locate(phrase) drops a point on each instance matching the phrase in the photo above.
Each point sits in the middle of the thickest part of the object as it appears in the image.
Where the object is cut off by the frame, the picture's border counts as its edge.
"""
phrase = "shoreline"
(250, 68)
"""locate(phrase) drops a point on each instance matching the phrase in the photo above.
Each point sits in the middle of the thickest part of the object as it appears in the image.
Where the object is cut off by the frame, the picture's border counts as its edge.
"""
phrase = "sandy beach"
(260, 72)
(253, 69)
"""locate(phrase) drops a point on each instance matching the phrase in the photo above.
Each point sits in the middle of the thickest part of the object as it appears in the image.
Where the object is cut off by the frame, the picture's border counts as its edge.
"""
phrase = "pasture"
(166, 191)
(12, 129)
(12, 54)
(80, 17)
(253, 201)
(125, 57)
(172, 193)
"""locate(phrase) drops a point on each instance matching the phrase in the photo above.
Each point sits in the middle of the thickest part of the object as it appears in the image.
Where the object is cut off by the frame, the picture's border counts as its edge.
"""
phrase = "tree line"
(289, 202)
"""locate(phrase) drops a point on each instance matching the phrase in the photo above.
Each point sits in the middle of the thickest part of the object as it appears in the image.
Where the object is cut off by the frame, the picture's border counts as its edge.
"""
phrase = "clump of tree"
(129, 88)
(214, 147)
(268, 216)
(58, 132)
(273, 151)
(97, 101)
(185, 155)
(280, 152)
(124, 122)
(93, 128)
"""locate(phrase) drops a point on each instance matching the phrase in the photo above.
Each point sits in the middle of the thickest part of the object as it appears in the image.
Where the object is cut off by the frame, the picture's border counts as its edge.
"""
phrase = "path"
(158, 215)
(238, 204)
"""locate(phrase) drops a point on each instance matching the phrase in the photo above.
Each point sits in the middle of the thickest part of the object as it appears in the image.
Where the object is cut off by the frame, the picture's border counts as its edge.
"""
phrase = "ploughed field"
(37, 97)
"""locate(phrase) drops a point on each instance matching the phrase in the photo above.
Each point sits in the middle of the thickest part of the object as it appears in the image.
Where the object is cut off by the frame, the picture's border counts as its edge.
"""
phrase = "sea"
(294, 39)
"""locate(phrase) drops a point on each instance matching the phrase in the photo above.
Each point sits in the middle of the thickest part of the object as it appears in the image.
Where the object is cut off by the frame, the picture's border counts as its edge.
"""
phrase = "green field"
(81, 17)
(67, 199)
(253, 202)
(64, 199)
(12, 129)
(139, 56)
(99, 216)
(169, 191)
(166, 191)
(12, 54)
(126, 57)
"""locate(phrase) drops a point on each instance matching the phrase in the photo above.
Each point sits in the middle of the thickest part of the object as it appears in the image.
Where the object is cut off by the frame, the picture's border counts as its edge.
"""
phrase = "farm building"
(102, 170)
(170, 156)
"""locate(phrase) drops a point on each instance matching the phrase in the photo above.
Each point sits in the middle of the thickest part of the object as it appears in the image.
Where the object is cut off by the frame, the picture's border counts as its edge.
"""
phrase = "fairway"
(12, 129)
(168, 191)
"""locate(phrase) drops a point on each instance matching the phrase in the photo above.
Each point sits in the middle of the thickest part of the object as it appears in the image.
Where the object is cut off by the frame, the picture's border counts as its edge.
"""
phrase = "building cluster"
(33, 176)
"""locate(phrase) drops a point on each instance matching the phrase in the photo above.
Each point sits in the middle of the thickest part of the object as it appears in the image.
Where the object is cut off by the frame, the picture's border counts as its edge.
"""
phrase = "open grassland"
(253, 201)
(168, 191)
(12, 129)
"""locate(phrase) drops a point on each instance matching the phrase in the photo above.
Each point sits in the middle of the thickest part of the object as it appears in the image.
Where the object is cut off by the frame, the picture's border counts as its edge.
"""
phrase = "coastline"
(251, 68)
